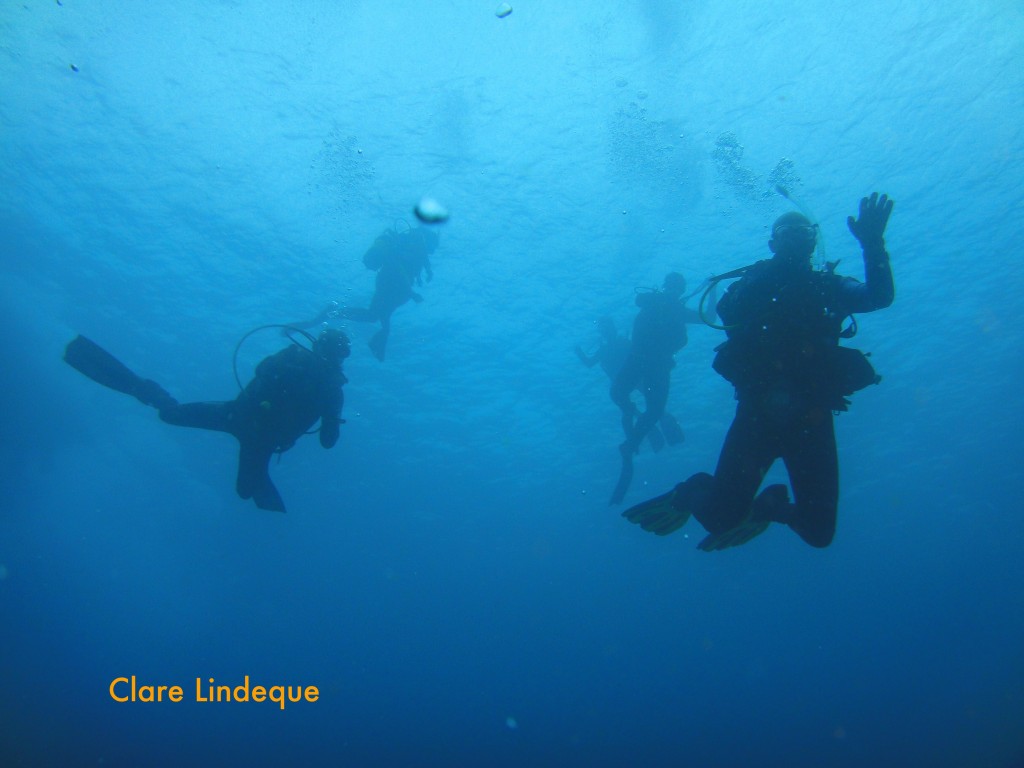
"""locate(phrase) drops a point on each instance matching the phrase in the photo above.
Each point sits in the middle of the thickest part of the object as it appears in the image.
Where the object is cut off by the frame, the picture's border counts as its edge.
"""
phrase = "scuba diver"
(290, 391)
(784, 322)
(611, 356)
(401, 259)
(659, 331)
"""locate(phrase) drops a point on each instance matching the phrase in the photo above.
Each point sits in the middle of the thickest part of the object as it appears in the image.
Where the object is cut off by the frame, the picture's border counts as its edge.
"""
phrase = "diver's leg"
(655, 398)
(325, 314)
(379, 341)
(216, 416)
(359, 314)
(813, 465)
(748, 452)
(253, 480)
(623, 385)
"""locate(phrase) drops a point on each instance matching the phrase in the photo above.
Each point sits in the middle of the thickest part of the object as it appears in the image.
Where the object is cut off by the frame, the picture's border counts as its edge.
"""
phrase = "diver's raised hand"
(869, 226)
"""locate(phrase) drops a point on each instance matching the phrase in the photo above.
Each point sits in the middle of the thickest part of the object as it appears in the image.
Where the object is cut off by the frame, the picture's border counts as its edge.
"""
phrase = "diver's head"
(675, 284)
(793, 237)
(332, 345)
(606, 327)
(431, 238)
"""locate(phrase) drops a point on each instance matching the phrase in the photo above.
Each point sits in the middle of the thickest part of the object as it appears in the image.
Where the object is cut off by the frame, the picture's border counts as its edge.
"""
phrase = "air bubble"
(430, 211)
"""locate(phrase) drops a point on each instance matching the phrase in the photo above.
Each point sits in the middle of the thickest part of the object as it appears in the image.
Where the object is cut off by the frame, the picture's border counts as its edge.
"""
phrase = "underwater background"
(450, 575)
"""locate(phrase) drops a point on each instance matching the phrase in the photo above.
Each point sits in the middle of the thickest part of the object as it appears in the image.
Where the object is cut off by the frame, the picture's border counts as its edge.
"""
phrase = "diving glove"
(869, 226)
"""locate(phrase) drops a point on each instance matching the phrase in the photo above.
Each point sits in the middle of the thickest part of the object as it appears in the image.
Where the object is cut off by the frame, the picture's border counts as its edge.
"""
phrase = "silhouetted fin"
(254, 480)
(656, 439)
(670, 429)
(662, 514)
(625, 475)
(90, 359)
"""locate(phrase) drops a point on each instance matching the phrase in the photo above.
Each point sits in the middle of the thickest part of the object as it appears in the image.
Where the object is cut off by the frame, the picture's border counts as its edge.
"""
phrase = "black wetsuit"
(659, 331)
(400, 259)
(292, 389)
(783, 357)
(612, 354)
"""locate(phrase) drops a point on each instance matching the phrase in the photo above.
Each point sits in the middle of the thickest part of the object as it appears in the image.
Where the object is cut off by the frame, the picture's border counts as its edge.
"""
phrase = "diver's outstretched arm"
(869, 229)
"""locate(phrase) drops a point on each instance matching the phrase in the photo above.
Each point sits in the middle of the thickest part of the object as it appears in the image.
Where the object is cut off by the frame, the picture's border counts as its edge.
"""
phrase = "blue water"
(450, 575)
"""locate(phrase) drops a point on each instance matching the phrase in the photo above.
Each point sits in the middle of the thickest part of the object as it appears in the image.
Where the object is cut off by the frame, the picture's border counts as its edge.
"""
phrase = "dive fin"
(670, 429)
(771, 506)
(377, 343)
(661, 515)
(734, 537)
(625, 475)
(669, 512)
(253, 481)
(89, 358)
(656, 439)
(266, 497)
